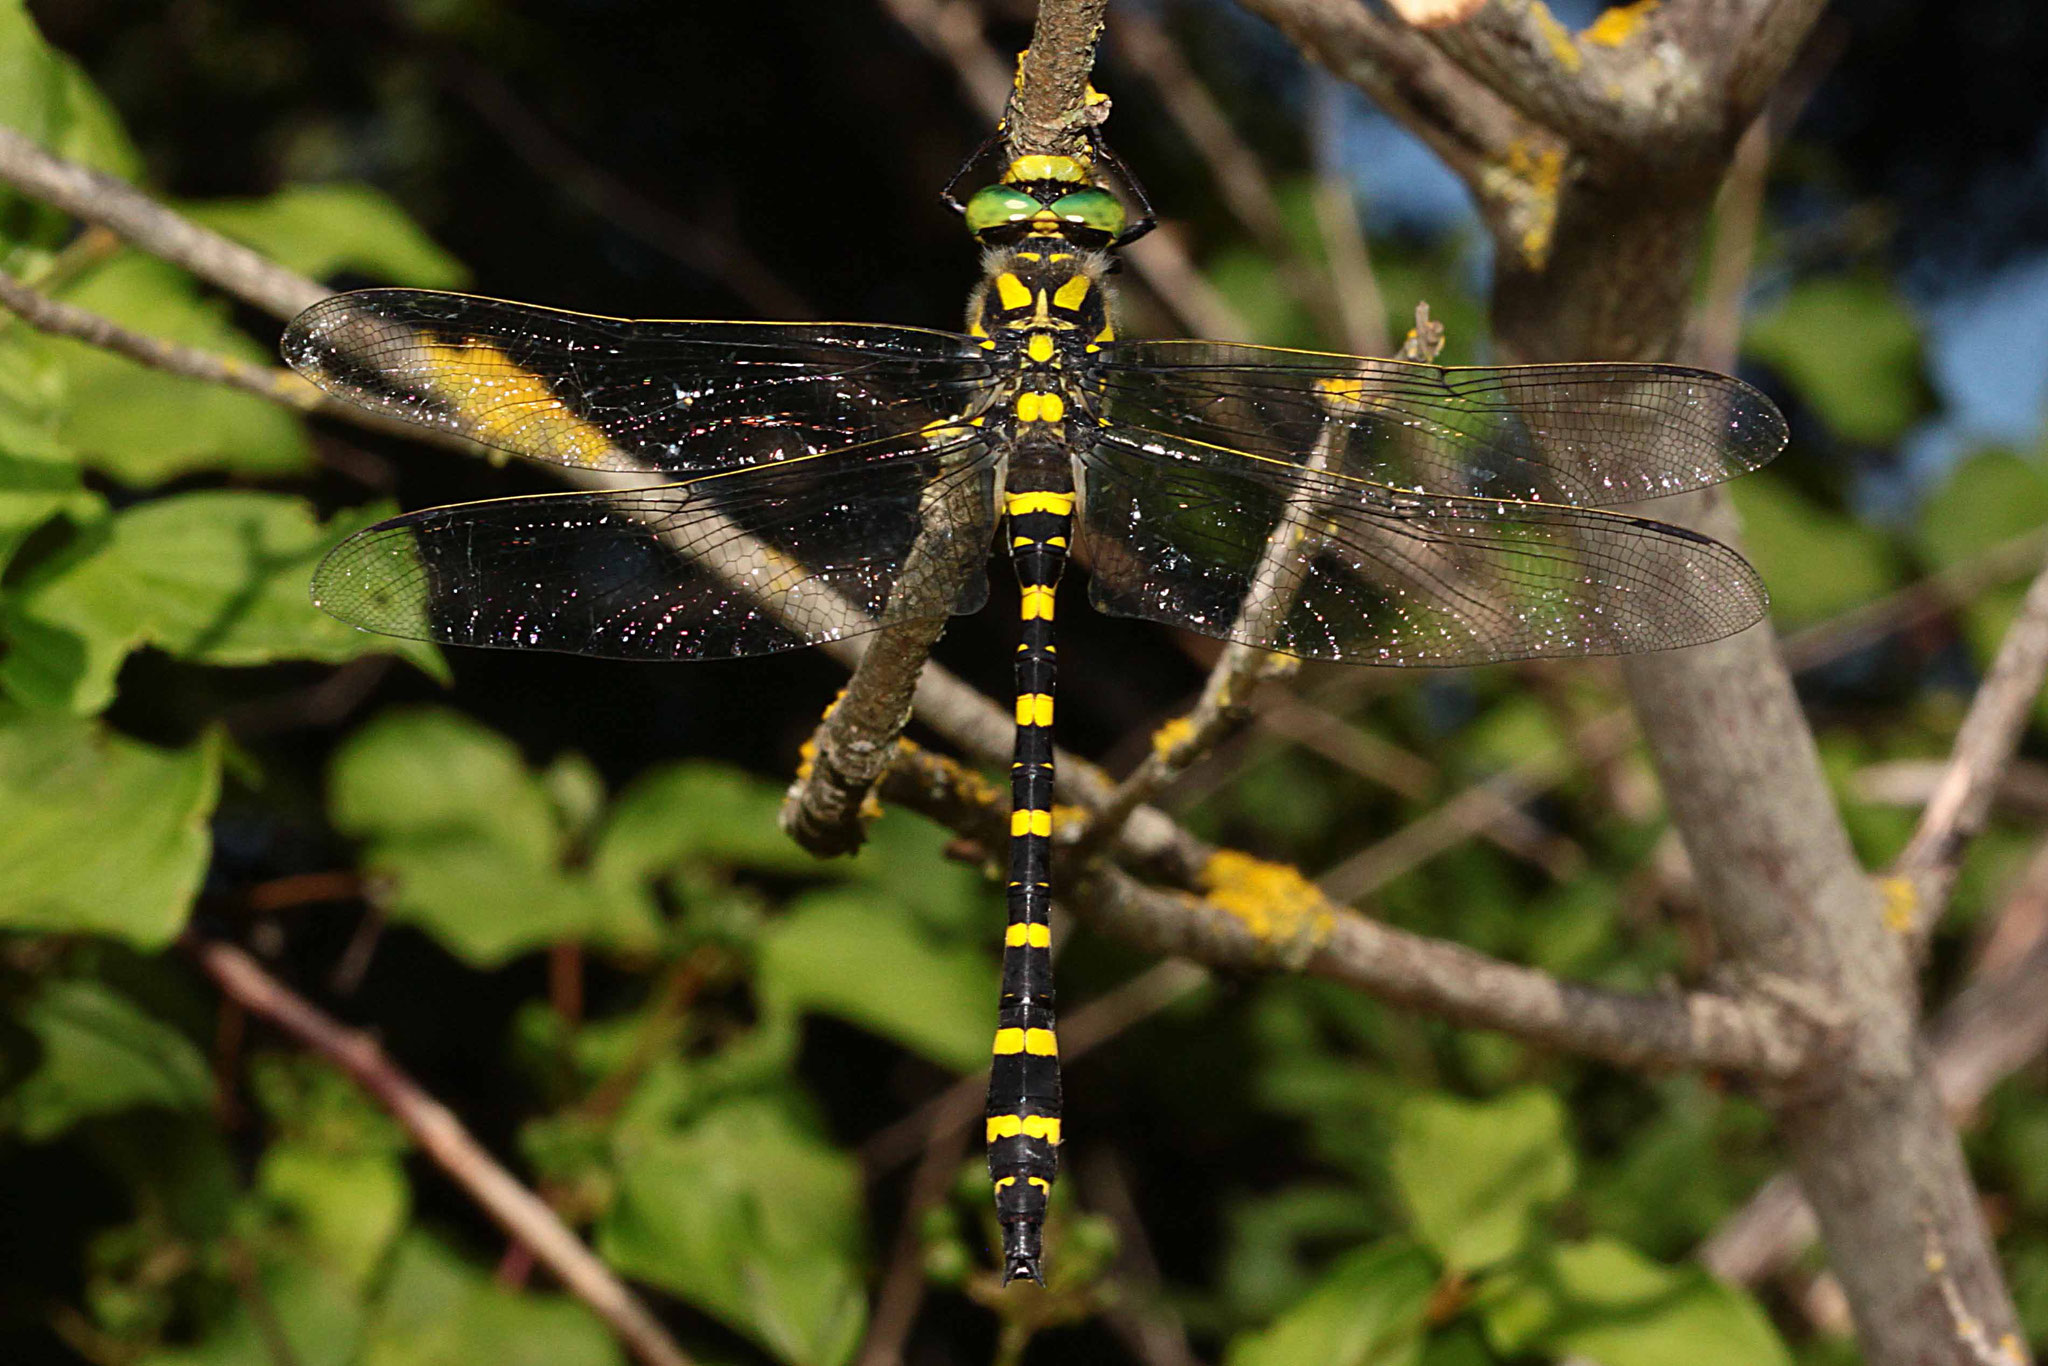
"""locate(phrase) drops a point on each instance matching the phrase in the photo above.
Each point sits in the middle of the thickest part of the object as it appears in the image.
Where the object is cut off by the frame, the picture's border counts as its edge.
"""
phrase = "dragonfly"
(777, 485)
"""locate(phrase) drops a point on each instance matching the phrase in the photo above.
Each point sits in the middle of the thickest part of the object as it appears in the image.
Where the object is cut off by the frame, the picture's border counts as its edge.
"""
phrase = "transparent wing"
(1312, 564)
(718, 567)
(1589, 435)
(606, 393)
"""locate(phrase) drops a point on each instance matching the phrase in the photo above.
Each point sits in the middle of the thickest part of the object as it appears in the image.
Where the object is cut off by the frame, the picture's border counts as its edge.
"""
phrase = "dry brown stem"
(524, 1216)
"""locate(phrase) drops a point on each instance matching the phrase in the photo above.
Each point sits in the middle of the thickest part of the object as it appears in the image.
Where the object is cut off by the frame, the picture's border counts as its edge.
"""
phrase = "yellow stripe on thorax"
(1011, 292)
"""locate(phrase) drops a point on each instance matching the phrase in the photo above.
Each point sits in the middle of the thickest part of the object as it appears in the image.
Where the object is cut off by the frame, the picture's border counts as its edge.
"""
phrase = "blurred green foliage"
(1319, 1181)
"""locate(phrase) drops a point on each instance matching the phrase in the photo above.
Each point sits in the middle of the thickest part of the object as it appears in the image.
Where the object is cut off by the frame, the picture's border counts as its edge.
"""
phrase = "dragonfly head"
(1045, 196)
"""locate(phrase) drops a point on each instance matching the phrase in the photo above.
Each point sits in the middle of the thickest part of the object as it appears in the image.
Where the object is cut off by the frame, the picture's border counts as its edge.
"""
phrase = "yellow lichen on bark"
(1617, 25)
(1275, 902)
(1556, 36)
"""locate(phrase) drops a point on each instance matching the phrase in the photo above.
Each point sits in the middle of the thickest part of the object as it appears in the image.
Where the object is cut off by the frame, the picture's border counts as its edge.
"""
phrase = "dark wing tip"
(1757, 431)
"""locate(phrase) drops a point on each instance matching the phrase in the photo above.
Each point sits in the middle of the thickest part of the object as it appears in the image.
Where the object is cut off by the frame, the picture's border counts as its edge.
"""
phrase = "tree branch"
(135, 217)
(1984, 747)
(1256, 916)
(1049, 110)
(524, 1216)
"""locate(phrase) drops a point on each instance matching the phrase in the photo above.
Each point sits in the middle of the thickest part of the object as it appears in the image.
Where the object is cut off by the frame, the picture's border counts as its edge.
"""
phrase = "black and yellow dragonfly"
(804, 482)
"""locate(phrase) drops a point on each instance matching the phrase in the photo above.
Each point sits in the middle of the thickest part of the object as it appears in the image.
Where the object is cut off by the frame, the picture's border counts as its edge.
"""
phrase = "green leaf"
(214, 578)
(473, 842)
(1474, 1174)
(100, 1055)
(847, 954)
(1817, 563)
(1852, 349)
(320, 229)
(1990, 497)
(34, 488)
(100, 834)
(1369, 1309)
(437, 1310)
(144, 426)
(753, 1221)
(299, 1310)
(698, 813)
(1606, 1301)
(348, 1207)
(32, 93)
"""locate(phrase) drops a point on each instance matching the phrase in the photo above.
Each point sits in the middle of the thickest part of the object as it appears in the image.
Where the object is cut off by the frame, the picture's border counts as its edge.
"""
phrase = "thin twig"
(524, 1216)
(114, 204)
(951, 31)
(719, 256)
(1360, 303)
(1985, 743)
(1081, 1032)
(1994, 1026)
(903, 1283)
(1237, 171)
(1049, 111)
(1475, 807)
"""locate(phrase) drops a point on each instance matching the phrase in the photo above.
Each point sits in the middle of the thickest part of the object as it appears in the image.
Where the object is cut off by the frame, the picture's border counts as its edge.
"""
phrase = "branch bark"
(1796, 918)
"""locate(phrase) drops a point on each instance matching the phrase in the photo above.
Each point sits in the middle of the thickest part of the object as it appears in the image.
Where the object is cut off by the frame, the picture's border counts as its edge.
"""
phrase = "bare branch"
(1256, 916)
(1466, 124)
(1985, 743)
(267, 382)
(66, 320)
(903, 1283)
(1049, 109)
(1994, 1027)
(1081, 1032)
(134, 216)
(723, 257)
(1240, 176)
(524, 1216)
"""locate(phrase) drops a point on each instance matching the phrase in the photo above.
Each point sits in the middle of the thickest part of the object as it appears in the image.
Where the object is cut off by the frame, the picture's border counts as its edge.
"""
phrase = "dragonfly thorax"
(1042, 287)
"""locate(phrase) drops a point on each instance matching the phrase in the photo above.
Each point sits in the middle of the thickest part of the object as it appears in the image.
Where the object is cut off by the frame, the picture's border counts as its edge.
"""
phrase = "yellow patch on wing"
(504, 404)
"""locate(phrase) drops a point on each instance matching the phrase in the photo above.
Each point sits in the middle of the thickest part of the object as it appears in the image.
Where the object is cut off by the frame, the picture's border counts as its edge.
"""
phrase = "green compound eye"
(996, 206)
(1095, 209)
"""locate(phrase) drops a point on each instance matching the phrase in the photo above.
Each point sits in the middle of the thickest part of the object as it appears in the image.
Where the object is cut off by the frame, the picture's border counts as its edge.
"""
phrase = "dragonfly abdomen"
(1024, 1079)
